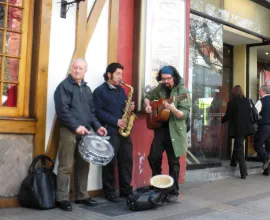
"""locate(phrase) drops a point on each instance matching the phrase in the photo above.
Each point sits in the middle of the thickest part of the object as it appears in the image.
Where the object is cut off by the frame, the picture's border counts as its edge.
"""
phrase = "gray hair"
(265, 88)
(80, 59)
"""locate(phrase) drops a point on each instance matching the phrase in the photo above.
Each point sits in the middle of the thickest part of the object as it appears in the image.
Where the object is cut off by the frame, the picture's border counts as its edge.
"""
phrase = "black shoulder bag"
(38, 190)
(145, 198)
(254, 115)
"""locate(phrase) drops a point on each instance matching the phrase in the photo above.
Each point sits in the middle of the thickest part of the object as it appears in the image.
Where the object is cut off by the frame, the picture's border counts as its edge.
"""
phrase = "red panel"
(125, 38)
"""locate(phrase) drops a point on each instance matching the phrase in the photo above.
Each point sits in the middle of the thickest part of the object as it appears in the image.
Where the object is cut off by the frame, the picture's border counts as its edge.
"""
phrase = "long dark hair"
(176, 76)
(237, 92)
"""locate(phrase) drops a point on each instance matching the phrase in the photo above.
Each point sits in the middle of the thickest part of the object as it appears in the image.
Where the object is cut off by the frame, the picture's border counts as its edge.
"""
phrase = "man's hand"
(170, 107)
(173, 109)
(102, 131)
(121, 124)
(148, 108)
(81, 130)
(132, 107)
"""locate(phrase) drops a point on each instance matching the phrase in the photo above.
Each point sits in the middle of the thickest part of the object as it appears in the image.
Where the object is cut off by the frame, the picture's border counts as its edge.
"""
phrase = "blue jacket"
(74, 105)
(265, 112)
(109, 104)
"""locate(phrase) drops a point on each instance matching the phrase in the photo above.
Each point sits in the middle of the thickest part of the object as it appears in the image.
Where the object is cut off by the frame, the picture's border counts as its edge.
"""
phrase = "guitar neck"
(170, 101)
(177, 98)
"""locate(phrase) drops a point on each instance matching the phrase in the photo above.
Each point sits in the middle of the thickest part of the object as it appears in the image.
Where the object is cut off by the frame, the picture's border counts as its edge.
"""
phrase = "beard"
(167, 86)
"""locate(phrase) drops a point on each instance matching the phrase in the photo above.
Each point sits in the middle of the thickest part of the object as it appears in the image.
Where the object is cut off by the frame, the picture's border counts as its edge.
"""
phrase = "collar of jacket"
(109, 86)
(73, 81)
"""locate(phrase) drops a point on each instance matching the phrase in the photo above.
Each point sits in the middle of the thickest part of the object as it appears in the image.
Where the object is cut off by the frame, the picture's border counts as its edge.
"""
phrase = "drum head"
(98, 146)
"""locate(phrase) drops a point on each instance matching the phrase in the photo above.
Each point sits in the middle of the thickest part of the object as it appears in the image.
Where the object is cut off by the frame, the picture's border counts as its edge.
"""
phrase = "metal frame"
(262, 3)
(198, 13)
(247, 88)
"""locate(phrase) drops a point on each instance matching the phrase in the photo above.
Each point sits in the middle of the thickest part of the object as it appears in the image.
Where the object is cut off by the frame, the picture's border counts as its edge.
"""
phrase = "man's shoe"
(87, 202)
(266, 164)
(65, 205)
(233, 164)
(112, 198)
(173, 197)
(243, 177)
(266, 172)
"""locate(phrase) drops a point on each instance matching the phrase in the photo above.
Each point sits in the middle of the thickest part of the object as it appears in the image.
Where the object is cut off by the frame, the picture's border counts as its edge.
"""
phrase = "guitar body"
(155, 119)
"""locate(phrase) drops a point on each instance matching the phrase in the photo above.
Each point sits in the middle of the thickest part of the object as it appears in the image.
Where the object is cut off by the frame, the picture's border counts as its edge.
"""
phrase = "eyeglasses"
(166, 79)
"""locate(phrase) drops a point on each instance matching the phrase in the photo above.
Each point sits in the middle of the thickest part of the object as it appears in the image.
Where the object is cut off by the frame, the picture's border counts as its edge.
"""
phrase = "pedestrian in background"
(238, 116)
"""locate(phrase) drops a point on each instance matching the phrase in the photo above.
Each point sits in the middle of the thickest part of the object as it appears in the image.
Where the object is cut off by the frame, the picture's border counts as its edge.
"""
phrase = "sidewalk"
(229, 198)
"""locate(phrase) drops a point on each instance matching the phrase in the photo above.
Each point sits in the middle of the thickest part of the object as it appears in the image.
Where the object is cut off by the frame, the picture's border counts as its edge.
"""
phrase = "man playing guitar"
(170, 135)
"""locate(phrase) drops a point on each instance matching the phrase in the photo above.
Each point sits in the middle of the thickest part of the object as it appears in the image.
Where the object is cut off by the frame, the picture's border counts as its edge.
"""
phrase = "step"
(224, 171)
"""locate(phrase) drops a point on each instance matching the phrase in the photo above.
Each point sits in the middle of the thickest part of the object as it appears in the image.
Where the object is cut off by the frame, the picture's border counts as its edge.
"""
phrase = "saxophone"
(128, 115)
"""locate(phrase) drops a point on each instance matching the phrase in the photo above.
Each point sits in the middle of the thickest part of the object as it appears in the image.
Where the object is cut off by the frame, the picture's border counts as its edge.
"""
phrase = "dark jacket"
(238, 115)
(74, 105)
(110, 104)
(265, 112)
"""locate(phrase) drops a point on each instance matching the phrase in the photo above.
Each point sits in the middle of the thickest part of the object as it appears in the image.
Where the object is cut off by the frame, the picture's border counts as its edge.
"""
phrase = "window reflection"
(206, 58)
(12, 36)
(14, 18)
(10, 93)
(15, 2)
(2, 15)
(11, 69)
(13, 44)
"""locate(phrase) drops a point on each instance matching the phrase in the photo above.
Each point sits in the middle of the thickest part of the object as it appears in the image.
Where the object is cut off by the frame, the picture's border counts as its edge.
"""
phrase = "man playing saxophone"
(111, 102)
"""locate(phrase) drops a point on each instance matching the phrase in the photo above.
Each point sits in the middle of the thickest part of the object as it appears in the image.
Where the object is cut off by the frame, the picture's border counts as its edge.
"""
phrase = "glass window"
(13, 52)
(205, 63)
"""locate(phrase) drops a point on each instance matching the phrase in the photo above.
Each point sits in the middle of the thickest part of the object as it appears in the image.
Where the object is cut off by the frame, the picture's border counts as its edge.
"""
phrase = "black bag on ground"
(38, 190)
(145, 198)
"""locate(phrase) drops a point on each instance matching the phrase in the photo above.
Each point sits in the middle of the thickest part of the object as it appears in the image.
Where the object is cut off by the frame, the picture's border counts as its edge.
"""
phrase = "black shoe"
(65, 205)
(112, 198)
(265, 173)
(243, 177)
(266, 164)
(233, 164)
(244, 174)
(87, 202)
(173, 197)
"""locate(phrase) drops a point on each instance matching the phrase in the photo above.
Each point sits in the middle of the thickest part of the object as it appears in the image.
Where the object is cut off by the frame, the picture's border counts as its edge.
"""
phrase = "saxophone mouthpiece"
(122, 82)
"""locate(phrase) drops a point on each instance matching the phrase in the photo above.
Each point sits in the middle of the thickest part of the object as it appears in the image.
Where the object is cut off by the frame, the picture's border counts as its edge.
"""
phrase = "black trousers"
(262, 137)
(161, 142)
(238, 154)
(123, 158)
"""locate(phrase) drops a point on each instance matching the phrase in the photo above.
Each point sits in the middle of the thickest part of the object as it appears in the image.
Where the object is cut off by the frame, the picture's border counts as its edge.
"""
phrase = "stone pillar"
(239, 66)
(253, 79)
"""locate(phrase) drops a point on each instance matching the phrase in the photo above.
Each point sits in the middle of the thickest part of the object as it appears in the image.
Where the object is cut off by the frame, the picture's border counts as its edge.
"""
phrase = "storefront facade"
(38, 47)
(222, 35)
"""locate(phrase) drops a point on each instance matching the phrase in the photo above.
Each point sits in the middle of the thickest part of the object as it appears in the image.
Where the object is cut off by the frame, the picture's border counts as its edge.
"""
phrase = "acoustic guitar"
(159, 113)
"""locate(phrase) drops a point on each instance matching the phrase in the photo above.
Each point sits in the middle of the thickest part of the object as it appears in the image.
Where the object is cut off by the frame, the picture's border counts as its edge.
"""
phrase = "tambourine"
(96, 149)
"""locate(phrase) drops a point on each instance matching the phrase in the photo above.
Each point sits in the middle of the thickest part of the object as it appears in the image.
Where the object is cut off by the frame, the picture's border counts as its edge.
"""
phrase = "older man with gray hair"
(262, 135)
(76, 113)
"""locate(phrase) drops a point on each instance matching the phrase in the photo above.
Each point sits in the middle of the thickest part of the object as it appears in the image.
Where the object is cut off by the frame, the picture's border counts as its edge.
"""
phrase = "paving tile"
(230, 198)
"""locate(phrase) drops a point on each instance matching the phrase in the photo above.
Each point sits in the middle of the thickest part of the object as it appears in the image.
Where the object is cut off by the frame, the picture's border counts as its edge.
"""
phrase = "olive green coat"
(177, 126)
